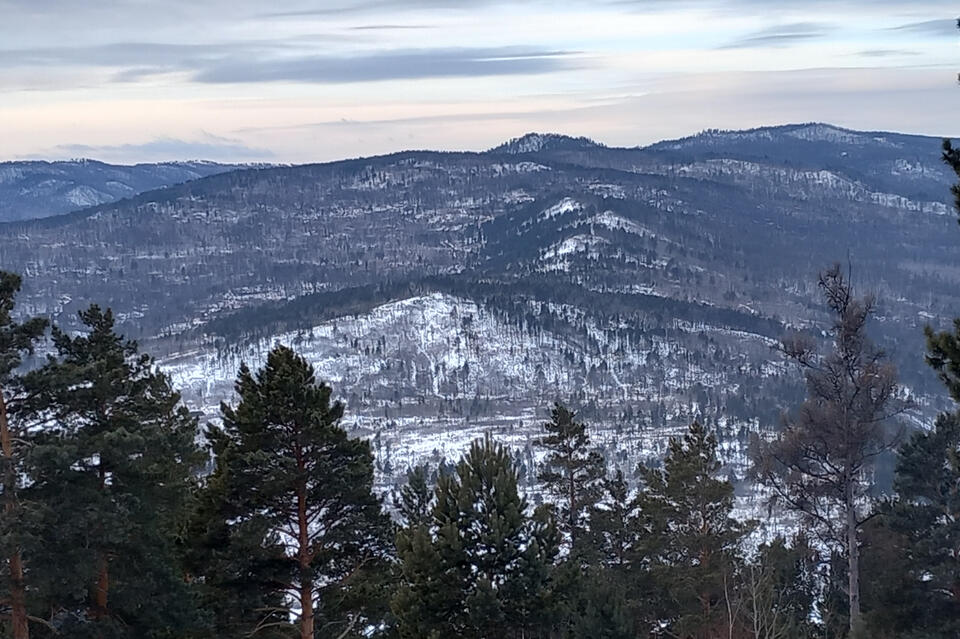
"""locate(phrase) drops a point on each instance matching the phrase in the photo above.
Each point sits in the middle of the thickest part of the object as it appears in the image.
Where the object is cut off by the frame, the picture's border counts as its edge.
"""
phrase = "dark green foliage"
(693, 542)
(943, 355)
(951, 157)
(414, 502)
(912, 568)
(613, 524)
(482, 566)
(16, 339)
(572, 472)
(112, 471)
(292, 477)
(601, 608)
(237, 569)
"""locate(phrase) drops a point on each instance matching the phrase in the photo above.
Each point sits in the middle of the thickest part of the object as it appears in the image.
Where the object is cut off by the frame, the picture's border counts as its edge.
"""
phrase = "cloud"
(780, 35)
(392, 27)
(207, 147)
(401, 64)
(154, 54)
(373, 6)
(885, 53)
(283, 60)
(945, 27)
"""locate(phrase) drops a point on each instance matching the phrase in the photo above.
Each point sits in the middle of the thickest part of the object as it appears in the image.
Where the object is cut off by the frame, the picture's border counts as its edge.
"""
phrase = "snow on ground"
(425, 376)
(566, 205)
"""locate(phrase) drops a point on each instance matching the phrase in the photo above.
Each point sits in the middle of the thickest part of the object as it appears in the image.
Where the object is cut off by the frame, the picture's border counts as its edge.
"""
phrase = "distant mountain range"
(445, 294)
(30, 189)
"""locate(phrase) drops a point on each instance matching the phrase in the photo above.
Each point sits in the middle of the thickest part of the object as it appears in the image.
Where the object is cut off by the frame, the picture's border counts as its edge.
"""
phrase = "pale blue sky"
(298, 81)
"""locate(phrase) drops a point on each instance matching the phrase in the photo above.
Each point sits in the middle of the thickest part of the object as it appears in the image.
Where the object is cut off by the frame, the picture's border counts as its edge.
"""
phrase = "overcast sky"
(300, 81)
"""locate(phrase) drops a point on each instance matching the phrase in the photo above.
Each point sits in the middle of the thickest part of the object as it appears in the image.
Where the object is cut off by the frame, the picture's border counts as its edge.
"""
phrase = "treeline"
(118, 524)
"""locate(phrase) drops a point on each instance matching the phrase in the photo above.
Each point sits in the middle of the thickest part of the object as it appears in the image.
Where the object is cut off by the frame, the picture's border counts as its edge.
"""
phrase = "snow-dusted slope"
(40, 189)
(472, 289)
(424, 376)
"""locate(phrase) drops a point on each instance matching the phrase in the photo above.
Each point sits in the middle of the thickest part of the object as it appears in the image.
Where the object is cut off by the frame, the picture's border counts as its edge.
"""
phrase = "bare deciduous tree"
(819, 464)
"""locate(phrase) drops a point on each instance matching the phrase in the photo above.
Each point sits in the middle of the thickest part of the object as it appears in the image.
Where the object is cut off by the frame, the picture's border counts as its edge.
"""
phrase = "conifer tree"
(16, 339)
(414, 501)
(693, 540)
(482, 567)
(238, 569)
(818, 465)
(572, 472)
(613, 523)
(951, 157)
(295, 474)
(914, 580)
(112, 469)
(617, 596)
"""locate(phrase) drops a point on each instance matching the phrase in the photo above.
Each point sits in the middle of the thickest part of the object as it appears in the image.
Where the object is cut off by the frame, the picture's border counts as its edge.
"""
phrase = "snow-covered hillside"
(41, 189)
(424, 376)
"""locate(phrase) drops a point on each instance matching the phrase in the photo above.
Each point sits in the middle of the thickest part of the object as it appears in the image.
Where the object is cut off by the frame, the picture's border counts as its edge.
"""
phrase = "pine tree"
(693, 541)
(112, 469)
(914, 580)
(16, 339)
(617, 594)
(602, 610)
(238, 569)
(482, 566)
(295, 474)
(951, 157)
(572, 472)
(818, 465)
(613, 523)
(414, 501)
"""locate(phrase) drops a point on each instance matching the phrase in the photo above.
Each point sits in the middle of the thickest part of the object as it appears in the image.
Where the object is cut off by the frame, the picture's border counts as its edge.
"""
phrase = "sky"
(306, 81)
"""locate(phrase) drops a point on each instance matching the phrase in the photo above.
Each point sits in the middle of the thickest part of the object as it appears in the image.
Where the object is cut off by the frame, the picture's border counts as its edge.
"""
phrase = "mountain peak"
(813, 132)
(536, 142)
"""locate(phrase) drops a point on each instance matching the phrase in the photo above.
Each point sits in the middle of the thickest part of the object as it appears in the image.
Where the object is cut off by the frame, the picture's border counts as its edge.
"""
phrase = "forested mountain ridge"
(34, 189)
(446, 293)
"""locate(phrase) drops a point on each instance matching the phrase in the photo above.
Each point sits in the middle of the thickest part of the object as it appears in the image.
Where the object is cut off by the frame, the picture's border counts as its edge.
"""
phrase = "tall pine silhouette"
(16, 339)
(295, 475)
(112, 469)
(481, 566)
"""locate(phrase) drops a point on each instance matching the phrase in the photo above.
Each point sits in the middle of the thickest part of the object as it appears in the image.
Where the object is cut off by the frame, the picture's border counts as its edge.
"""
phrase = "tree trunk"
(18, 599)
(102, 588)
(573, 504)
(304, 560)
(853, 561)
(306, 614)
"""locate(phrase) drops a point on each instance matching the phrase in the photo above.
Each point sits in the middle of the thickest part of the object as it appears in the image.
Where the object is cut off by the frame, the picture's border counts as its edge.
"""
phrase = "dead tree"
(819, 465)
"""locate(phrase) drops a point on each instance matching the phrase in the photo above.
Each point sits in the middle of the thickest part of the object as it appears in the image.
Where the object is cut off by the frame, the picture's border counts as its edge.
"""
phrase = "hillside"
(448, 292)
(31, 189)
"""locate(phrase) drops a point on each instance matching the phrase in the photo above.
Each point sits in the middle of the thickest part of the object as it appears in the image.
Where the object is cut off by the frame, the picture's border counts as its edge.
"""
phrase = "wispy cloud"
(885, 53)
(273, 61)
(394, 65)
(341, 7)
(145, 77)
(392, 27)
(945, 27)
(157, 54)
(780, 35)
(206, 147)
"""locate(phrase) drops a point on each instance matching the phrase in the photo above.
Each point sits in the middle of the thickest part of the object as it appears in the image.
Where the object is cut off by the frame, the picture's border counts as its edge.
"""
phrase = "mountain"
(30, 189)
(445, 294)
(538, 142)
